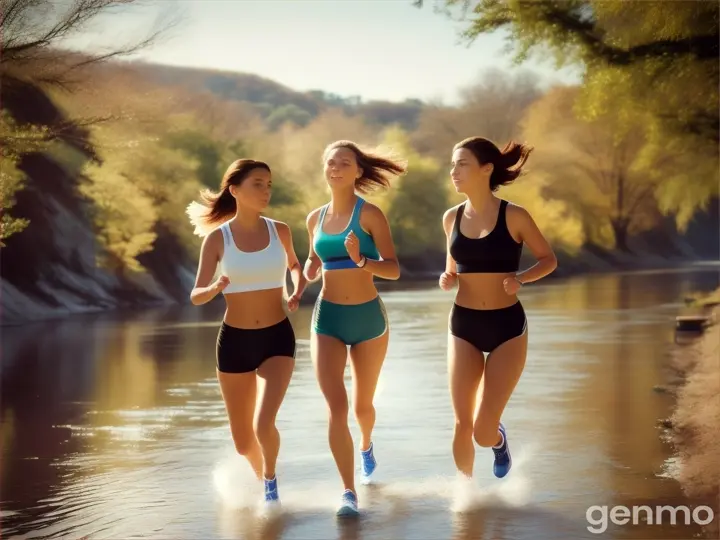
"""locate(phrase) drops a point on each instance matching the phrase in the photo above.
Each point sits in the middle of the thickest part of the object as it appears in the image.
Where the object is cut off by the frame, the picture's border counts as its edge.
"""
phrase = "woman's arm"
(210, 254)
(313, 263)
(377, 225)
(448, 279)
(448, 221)
(298, 279)
(528, 232)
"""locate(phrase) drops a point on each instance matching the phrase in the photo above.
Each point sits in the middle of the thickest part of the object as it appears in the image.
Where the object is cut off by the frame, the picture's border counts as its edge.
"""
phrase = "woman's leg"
(239, 391)
(503, 369)
(465, 370)
(274, 374)
(367, 359)
(330, 358)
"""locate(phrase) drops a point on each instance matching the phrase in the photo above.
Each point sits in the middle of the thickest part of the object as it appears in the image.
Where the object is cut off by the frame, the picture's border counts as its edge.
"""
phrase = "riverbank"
(695, 422)
(22, 306)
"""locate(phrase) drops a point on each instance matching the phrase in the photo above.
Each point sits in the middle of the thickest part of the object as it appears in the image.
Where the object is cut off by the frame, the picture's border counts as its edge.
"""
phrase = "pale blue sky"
(378, 49)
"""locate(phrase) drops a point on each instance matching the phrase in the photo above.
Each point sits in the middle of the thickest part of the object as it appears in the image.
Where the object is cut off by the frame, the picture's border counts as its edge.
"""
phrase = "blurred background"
(115, 113)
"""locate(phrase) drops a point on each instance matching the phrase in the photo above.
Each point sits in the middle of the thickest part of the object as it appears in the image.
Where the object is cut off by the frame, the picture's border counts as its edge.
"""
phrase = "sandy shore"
(696, 419)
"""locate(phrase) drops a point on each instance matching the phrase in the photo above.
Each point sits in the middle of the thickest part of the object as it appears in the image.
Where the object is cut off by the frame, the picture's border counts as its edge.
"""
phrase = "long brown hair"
(377, 169)
(507, 163)
(215, 208)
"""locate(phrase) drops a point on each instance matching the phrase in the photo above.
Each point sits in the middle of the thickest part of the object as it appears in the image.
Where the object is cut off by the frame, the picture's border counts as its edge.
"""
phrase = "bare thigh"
(330, 358)
(465, 370)
(503, 369)
(274, 374)
(239, 391)
(367, 359)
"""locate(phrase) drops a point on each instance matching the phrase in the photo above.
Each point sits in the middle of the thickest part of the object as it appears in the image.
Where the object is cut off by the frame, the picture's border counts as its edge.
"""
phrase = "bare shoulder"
(519, 221)
(449, 216)
(214, 238)
(372, 217)
(282, 229)
(312, 218)
(517, 214)
(372, 211)
(214, 243)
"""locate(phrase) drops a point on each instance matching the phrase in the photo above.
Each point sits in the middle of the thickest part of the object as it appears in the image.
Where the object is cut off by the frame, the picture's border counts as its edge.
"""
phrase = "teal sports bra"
(330, 248)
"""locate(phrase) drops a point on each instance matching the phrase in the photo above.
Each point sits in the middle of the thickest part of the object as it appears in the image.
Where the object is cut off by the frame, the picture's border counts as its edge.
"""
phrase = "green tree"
(123, 216)
(654, 59)
(288, 113)
(198, 146)
(14, 142)
(33, 61)
(418, 201)
(594, 167)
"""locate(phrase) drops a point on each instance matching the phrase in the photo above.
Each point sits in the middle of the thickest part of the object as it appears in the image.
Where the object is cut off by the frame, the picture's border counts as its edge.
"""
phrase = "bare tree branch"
(31, 40)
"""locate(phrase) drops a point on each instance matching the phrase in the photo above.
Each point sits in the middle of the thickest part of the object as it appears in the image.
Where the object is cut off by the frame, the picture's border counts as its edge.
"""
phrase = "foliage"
(595, 167)
(652, 62)
(493, 107)
(417, 202)
(14, 142)
(123, 216)
(159, 144)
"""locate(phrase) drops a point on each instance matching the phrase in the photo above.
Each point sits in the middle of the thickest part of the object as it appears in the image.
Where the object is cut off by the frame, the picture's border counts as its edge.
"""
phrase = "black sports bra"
(498, 252)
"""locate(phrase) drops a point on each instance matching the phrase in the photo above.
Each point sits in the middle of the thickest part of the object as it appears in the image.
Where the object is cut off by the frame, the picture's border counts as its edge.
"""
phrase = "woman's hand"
(448, 280)
(512, 285)
(293, 302)
(352, 245)
(312, 269)
(221, 283)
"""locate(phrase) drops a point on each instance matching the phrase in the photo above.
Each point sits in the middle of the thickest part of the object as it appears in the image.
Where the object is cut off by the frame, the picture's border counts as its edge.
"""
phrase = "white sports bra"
(256, 270)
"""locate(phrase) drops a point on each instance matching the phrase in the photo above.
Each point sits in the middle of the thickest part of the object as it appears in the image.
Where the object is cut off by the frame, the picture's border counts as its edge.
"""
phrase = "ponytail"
(215, 208)
(507, 163)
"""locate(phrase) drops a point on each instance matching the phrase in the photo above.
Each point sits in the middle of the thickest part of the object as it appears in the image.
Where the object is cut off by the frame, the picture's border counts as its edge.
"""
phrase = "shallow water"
(113, 426)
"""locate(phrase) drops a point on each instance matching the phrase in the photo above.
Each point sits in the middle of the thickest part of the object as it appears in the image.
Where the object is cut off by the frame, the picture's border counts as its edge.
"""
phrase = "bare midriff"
(254, 309)
(348, 286)
(484, 291)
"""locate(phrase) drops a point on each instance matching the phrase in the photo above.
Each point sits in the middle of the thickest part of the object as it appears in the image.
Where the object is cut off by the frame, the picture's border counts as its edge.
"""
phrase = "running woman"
(255, 350)
(487, 324)
(350, 242)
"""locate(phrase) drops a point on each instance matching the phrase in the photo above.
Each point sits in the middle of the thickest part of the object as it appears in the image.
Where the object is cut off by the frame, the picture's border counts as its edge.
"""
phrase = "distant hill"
(277, 103)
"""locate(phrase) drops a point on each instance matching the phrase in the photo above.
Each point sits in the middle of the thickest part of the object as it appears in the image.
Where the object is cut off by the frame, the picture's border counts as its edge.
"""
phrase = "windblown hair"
(507, 163)
(377, 169)
(215, 208)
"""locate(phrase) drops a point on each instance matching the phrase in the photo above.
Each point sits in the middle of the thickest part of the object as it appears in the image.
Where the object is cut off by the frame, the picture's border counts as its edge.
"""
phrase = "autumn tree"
(655, 59)
(594, 167)
(493, 108)
(14, 141)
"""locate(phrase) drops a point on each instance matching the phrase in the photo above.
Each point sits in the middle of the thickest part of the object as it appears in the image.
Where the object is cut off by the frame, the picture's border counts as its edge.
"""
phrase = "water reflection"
(113, 425)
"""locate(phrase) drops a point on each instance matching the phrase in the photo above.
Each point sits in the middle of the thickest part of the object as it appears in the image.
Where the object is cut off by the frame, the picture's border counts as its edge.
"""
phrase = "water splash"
(236, 484)
(512, 491)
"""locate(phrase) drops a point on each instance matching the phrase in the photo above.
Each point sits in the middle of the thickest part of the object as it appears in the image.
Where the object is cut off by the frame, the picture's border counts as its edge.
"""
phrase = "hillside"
(277, 103)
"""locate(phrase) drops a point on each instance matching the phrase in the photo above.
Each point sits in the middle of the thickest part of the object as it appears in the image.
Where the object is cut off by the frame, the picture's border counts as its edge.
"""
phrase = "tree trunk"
(620, 229)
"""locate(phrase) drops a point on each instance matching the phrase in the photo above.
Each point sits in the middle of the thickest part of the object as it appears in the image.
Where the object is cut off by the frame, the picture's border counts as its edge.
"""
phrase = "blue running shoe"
(503, 461)
(271, 492)
(348, 506)
(368, 463)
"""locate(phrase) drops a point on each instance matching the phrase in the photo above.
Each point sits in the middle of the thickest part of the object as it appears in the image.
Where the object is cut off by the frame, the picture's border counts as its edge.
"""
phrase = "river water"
(113, 426)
